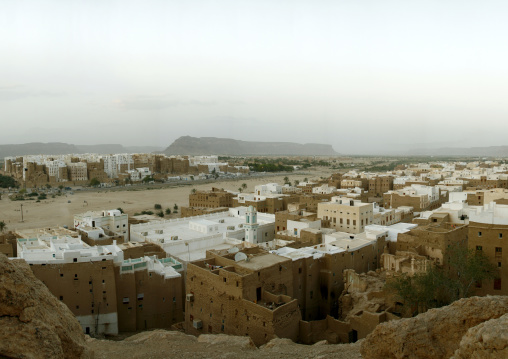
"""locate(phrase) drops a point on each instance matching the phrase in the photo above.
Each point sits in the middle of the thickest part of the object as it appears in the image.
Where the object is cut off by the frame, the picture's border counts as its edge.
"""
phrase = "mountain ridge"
(61, 148)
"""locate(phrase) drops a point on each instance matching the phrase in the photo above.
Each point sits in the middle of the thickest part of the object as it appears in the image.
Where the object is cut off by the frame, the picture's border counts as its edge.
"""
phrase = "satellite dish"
(240, 257)
(233, 250)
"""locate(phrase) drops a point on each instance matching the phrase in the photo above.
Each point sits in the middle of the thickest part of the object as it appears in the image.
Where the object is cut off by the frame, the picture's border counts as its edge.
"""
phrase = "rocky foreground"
(466, 326)
(168, 344)
(34, 324)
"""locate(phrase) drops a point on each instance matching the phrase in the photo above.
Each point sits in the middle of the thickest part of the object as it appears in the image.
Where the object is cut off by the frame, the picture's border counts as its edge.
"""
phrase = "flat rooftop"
(260, 261)
(48, 231)
(392, 230)
(222, 222)
(348, 241)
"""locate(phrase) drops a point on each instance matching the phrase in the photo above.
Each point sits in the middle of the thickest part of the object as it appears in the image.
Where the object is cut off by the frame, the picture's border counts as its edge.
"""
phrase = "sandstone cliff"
(33, 323)
(438, 333)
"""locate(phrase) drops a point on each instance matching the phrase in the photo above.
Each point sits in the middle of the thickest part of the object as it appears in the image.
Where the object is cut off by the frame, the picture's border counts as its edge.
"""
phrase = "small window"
(478, 248)
(500, 235)
(479, 234)
(499, 250)
(61, 297)
(74, 259)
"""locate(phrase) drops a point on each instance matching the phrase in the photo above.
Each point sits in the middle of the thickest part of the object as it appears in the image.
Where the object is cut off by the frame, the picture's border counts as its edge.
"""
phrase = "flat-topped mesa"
(187, 145)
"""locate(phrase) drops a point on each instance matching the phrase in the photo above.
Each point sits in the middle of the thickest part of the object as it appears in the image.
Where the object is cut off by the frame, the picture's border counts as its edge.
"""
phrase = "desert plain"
(60, 211)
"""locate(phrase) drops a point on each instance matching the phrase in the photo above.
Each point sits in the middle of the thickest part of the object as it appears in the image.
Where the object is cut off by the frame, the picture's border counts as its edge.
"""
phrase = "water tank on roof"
(240, 256)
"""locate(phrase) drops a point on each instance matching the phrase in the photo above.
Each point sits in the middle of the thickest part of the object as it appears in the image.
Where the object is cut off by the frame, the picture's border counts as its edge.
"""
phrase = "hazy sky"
(360, 74)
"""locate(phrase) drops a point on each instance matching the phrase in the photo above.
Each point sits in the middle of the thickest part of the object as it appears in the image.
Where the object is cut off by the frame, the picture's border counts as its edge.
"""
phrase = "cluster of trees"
(7, 181)
(159, 212)
(268, 167)
(441, 285)
(94, 182)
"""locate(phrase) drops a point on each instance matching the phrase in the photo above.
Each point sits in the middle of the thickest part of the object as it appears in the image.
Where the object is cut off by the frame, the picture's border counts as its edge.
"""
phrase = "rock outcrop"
(171, 344)
(438, 332)
(488, 340)
(222, 339)
(33, 323)
(364, 292)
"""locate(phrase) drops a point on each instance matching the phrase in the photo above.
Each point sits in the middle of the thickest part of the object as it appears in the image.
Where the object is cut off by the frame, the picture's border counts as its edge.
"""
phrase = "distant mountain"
(106, 148)
(143, 149)
(187, 145)
(36, 148)
(58, 148)
(492, 151)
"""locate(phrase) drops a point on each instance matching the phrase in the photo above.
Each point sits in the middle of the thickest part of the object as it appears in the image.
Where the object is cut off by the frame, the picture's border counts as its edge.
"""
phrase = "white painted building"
(188, 239)
(46, 249)
(324, 189)
(268, 189)
(492, 213)
(112, 220)
(392, 230)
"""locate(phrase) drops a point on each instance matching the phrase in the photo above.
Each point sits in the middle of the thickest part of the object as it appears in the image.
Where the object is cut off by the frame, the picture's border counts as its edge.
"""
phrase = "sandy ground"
(60, 211)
